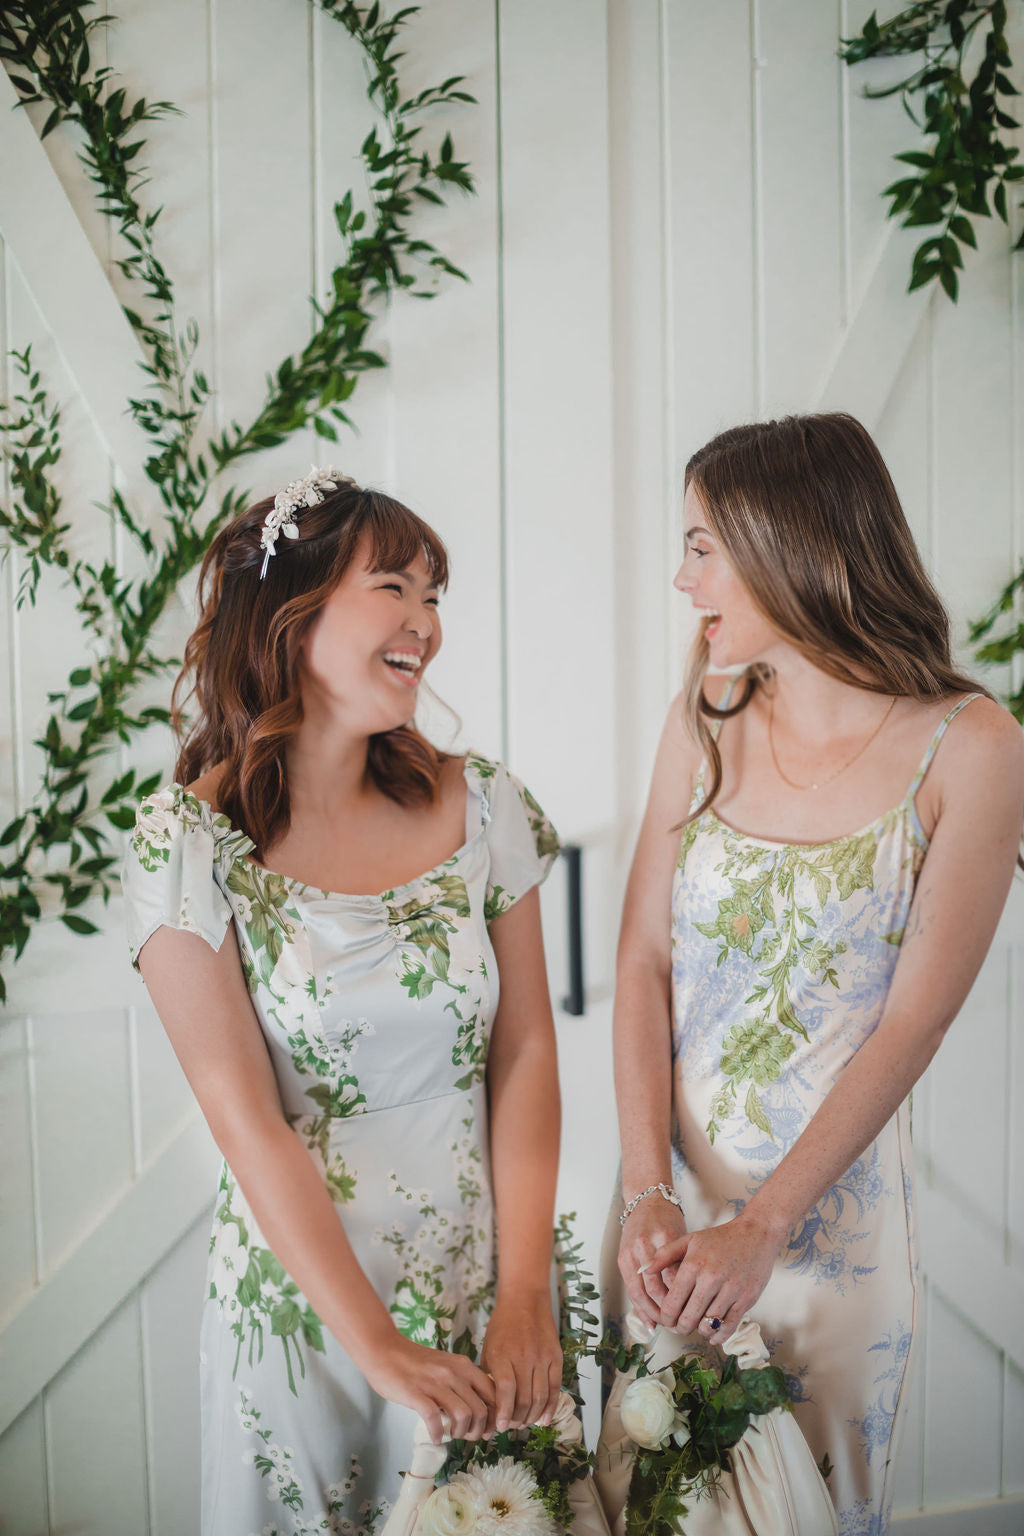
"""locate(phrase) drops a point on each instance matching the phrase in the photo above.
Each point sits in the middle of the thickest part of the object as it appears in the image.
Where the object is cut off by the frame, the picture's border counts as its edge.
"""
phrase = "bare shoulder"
(981, 761)
(207, 786)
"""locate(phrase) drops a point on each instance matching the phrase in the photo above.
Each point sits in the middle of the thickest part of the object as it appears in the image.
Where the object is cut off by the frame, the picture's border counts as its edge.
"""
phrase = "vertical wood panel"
(83, 1115)
(963, 1369)
(971, 1068)
(710, 129)
(18, 1264)
(264, 210)
(165, 1100)
(1013, 1432)
(647, 482)
(96, 1434)
(800, 186)
(23, 1500)
(171, 1303)
(556, 268)
(343, 120)
(445, 373)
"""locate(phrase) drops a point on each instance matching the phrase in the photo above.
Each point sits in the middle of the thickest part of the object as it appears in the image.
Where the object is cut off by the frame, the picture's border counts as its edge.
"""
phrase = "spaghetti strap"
(716, 726)
(932, 747)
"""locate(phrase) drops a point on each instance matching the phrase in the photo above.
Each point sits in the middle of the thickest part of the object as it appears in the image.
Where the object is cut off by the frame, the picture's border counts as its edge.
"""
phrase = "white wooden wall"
(677, 227)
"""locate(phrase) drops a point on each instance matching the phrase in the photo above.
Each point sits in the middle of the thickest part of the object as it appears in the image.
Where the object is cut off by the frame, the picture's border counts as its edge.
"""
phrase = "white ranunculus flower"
(449, 1511)
(649, 1410)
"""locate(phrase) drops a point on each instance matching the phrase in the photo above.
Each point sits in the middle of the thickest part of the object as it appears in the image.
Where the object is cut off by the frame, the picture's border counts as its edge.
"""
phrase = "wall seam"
(757, 209)
(214, 219)
(845, 189)
(503, 529)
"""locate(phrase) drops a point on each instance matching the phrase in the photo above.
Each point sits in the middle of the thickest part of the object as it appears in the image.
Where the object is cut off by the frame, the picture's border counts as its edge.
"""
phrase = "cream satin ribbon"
(774, 1487)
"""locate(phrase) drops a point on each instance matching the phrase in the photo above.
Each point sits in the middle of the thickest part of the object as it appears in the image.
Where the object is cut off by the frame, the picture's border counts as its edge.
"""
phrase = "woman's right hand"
(653, 1224)
(451, 1395)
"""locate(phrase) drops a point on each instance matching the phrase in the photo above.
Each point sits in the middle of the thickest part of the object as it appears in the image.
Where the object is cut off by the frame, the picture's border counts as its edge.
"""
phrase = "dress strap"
(931, 749)
(716, 726)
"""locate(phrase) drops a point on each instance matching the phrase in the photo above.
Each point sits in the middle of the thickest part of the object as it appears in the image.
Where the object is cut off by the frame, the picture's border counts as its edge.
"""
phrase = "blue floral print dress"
(376, 1012)
(782, 956)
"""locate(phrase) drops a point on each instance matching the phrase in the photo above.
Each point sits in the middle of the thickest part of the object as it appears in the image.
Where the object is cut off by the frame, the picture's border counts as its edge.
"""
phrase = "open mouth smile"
(405, 665)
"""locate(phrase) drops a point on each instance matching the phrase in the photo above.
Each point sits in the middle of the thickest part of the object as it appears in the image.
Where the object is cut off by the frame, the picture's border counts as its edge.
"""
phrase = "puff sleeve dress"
(376, 1012)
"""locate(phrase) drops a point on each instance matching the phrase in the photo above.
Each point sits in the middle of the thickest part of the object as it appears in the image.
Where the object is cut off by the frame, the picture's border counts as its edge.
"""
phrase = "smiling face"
(736, 630)
(370, 644)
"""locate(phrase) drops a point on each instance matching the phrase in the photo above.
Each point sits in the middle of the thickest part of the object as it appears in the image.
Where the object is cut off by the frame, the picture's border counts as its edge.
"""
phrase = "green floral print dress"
(782, 956)
(376, 1011)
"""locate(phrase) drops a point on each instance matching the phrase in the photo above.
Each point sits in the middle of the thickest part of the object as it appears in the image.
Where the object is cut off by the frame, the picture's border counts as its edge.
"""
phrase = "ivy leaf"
(78, 924)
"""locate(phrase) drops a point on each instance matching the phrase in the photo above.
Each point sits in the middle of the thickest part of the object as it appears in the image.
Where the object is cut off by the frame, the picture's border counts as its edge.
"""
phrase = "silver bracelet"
(665, 1190)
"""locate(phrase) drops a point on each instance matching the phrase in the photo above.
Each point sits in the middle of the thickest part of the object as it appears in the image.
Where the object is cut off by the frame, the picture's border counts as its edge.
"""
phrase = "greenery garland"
(60, 848)
(969, 158)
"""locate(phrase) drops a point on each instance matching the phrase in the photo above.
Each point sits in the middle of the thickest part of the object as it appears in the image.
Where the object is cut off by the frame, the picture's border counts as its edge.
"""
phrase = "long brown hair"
(809, 519)
(242, 660)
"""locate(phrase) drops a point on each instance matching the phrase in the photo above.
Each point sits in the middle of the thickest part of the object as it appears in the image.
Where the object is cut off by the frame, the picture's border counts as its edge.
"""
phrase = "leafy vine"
(969, 159)
(59, 849)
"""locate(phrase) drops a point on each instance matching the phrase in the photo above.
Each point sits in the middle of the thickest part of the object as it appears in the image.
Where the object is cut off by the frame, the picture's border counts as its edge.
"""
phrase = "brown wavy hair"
(242, 661)
(809, 519)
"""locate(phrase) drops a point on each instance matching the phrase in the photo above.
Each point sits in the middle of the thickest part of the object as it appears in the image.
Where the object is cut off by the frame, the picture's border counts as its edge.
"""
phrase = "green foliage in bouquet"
(553, 1464)
(968, 158)
(717, 1407)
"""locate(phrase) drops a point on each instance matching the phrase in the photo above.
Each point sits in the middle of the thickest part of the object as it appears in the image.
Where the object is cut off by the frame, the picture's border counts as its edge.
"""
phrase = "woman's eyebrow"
(692, 532)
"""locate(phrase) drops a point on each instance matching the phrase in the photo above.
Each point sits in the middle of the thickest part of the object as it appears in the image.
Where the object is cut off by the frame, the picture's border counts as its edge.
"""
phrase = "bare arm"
(521, 1347)
(642, 1024)
(204, 1005)
(959, 897)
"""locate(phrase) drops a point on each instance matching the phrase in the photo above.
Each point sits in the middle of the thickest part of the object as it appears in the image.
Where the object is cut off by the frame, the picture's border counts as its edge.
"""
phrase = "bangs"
(398, 537)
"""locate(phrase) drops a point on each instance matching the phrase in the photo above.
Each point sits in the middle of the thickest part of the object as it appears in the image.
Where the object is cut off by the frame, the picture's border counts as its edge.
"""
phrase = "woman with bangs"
(378, 1069)
(832, 828)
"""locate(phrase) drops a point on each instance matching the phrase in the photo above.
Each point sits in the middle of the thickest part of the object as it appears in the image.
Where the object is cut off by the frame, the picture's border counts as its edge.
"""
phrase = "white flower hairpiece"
(308, 492)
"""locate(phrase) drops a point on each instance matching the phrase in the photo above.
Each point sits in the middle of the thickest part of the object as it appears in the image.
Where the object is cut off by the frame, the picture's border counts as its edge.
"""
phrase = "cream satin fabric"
(427, 1459)
(774, 1488)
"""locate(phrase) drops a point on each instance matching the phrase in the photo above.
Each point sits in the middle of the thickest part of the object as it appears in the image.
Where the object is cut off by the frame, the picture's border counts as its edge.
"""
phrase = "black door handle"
(574, 1002)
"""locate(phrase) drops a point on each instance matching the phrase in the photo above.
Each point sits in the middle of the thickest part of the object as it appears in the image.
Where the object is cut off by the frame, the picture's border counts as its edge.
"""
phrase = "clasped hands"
(516, 1383)
(681, 1280)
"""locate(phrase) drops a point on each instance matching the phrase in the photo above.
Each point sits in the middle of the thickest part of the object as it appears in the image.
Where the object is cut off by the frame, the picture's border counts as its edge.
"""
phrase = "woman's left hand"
(721, 1273)
(523, 1357)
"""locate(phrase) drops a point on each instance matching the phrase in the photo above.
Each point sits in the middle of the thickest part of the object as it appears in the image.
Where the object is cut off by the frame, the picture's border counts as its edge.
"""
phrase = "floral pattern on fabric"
(376, 1013)
(781, 958)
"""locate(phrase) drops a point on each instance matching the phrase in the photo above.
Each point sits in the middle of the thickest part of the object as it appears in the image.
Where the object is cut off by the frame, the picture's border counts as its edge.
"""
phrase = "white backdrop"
(677, 227)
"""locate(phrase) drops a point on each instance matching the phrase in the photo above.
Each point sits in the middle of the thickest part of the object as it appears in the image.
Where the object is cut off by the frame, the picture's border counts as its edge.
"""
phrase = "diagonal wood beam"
(68, 282)
(64, 1312)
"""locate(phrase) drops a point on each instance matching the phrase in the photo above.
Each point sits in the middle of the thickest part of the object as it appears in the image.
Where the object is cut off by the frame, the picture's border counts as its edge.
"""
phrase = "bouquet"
(676, 1428)
(527, 1482)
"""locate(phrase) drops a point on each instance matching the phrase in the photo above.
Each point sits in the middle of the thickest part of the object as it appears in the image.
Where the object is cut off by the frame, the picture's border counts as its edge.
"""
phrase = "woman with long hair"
(830, 836)
(382, 1233)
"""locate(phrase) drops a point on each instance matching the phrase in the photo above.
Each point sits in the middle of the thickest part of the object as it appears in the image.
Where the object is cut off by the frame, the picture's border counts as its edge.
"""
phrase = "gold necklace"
(837, 771)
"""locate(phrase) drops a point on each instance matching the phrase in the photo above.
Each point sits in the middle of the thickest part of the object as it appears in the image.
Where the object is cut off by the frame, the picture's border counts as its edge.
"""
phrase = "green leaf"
(123, 818)
(78, 924)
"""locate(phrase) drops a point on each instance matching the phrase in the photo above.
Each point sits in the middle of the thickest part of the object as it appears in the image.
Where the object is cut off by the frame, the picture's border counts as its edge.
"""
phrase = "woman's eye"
(700, 553)
(435, 602)
(390, 586)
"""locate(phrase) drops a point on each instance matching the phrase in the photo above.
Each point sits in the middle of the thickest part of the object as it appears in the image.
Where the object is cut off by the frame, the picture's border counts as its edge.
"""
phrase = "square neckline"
(242, 846)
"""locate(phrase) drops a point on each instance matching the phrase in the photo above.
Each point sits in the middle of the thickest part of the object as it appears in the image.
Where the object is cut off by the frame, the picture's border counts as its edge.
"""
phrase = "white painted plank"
(910, 1457)
(799, 188)
(973, 433)
(708, 76)
(106, 1267)
(23, 1502)
(648, 486)
(171, 1302)
(103, 976)
(971, 1069)
(557, 396)
(902, 434)
(263, 211)
(1015, 1139)
(42, 230)
(85, 1157)
(96, 1434)
(1013, 1431)
(343, 118)
(963, 1368)
(971, 1269)
(18, 1262)
(166, 1104)
(445, 373)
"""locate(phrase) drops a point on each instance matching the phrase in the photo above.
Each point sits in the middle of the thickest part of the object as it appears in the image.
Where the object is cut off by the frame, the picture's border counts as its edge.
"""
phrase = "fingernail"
(503, 1424)
(642, 1270)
